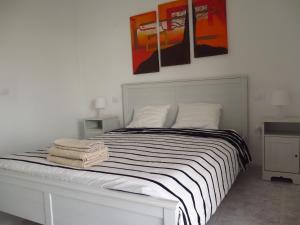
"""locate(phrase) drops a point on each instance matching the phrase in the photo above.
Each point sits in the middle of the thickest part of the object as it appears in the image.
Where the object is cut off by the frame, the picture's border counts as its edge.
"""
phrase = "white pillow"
(150, 116)
(198, 115)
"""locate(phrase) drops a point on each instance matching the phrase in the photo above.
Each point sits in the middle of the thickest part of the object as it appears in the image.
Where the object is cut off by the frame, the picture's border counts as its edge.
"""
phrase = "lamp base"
(280, 113)
(98, 115)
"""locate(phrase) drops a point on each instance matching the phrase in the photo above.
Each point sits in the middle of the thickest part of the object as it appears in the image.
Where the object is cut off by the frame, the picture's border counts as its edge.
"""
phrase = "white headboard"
(230, 91)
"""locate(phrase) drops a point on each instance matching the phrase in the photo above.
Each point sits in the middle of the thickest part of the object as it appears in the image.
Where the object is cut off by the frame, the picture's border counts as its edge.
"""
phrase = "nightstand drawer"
(97, 126)
(282, 154)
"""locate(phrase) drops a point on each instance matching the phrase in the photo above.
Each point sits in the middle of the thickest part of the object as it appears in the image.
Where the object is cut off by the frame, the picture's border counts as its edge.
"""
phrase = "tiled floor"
(252, 201)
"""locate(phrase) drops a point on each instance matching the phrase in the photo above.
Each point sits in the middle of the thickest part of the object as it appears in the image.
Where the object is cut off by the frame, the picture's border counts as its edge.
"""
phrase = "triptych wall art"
(209, 34)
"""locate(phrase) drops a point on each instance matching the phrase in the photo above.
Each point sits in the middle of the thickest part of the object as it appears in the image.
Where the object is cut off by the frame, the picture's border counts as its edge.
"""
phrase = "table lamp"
(279, 99)
(100, 104)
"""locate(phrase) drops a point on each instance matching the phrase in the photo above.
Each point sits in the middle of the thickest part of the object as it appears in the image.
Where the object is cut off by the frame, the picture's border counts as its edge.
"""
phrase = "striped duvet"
(195, 167)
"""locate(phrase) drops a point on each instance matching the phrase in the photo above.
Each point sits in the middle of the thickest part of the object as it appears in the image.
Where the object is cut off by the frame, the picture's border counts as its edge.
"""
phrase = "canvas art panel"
(174, 33)
(144, 43)
(210, 27)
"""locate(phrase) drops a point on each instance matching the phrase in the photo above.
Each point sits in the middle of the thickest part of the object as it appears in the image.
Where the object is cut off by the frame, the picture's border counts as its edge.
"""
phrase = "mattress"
(192, 166)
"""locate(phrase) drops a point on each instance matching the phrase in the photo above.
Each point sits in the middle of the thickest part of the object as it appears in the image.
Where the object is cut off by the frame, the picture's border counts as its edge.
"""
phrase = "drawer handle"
(296, 156)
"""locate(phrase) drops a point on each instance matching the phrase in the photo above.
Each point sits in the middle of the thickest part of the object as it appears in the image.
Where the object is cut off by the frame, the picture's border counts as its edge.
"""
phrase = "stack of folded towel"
(78, 153)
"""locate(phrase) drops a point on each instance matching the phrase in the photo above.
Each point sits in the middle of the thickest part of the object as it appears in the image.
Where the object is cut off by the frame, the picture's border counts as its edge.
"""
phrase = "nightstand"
(98, 126)
(281, 149)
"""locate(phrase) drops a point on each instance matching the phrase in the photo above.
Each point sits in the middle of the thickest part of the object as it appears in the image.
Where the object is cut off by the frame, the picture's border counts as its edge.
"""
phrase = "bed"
(153, 176)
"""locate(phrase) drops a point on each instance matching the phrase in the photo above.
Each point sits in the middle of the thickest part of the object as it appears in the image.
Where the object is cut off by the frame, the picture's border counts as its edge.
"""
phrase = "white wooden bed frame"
(52, 202)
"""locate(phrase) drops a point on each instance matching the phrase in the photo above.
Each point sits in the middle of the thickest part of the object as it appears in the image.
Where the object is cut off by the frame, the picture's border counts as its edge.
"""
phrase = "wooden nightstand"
(98, 126)
(281, 148)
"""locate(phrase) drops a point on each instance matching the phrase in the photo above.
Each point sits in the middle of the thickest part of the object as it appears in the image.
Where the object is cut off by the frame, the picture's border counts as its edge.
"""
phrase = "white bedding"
(196, 168)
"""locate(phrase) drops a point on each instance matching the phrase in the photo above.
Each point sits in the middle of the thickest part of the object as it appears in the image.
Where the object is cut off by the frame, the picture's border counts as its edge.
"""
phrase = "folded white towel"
(79, 145)
(88, 150)
(84, 156)
(78, 163)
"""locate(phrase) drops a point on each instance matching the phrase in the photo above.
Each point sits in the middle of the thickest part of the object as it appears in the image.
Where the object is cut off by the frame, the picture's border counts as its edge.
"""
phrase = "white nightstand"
(281, 148)
(98, 126)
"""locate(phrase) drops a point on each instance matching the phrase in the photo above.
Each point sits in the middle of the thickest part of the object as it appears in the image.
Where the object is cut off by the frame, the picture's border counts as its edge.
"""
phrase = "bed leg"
(48, 209)
(169, 217)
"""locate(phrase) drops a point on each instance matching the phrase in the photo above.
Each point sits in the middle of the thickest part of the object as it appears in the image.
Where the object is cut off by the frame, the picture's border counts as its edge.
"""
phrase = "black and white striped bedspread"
(195, 167)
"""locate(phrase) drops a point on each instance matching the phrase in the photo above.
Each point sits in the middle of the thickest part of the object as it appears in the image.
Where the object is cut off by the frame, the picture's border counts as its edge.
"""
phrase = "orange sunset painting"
(174, 33)
(210, 27)
(144, 43)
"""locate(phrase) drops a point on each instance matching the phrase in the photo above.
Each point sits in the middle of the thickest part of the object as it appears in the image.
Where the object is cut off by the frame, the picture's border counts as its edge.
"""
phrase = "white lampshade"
(280, 98)
(100, 103)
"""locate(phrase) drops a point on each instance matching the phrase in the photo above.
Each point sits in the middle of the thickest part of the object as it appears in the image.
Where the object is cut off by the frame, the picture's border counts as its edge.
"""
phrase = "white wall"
(40, 88)
(263, 43)
(40, 92)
